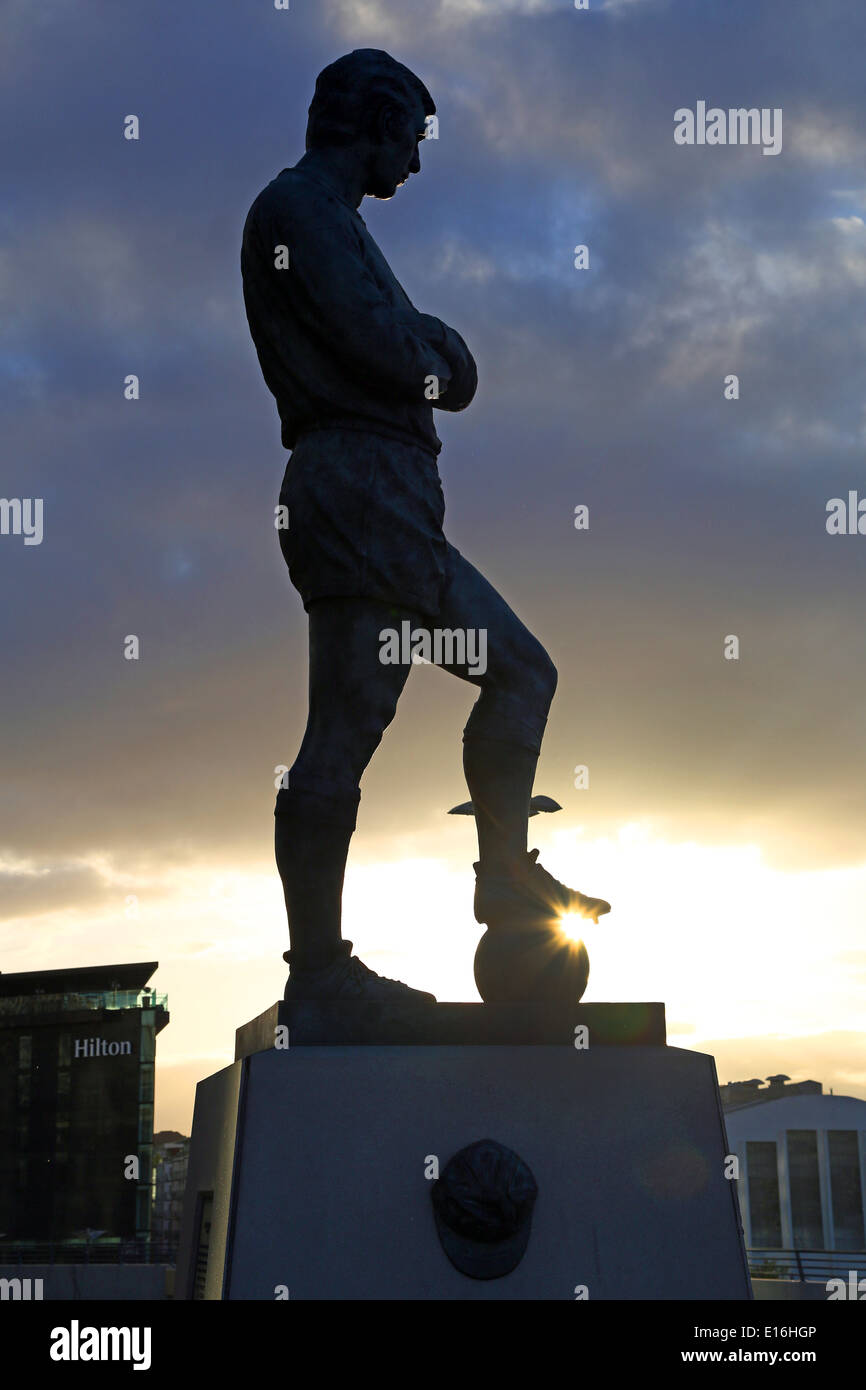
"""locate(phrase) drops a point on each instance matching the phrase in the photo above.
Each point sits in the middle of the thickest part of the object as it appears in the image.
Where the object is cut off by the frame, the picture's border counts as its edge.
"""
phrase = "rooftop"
(78, 980)
(736, 1095)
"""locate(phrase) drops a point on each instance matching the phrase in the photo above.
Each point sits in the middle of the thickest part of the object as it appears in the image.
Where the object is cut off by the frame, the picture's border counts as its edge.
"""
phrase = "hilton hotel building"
(77, 1052)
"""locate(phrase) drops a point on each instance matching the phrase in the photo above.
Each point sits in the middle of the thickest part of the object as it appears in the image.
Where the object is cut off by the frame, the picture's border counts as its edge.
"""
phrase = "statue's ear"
(390, 120)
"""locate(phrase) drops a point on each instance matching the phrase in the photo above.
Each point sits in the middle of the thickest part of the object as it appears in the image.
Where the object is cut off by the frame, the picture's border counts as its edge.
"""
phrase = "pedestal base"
(307, 1170)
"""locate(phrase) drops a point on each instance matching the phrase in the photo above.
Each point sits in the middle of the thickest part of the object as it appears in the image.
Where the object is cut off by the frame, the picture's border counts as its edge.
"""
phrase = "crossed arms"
(391, 348)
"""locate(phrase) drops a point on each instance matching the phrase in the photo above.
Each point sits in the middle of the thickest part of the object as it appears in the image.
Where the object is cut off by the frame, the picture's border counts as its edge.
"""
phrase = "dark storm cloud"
(602, 386)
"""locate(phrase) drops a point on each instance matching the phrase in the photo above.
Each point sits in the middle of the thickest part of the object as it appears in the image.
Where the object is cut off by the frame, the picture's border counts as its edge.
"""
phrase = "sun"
(572, 925)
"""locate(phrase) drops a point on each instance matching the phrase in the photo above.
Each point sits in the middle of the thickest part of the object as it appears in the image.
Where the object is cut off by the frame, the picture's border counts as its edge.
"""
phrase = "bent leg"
(501, 743)
(502, 738)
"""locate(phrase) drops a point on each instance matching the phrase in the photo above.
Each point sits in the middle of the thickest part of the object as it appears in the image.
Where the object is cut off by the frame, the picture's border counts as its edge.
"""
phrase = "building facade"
(77, 1054)
(802, 1165)
(170, 1160)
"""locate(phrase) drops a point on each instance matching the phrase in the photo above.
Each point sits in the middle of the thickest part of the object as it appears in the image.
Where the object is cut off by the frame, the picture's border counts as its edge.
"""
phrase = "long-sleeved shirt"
(338, 339)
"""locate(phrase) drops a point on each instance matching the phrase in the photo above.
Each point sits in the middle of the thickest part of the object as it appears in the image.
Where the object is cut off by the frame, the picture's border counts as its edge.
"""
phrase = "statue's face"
(397, 156)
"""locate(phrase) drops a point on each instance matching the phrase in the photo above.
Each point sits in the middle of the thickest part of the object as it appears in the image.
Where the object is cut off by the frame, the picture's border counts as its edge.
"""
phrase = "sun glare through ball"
(572, 925)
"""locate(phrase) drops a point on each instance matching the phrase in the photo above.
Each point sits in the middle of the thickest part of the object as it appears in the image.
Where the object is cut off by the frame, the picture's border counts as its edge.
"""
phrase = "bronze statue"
(357, 372)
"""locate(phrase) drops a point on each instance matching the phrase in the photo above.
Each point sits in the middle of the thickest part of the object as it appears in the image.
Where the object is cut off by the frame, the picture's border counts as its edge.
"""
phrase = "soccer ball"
(530, 964)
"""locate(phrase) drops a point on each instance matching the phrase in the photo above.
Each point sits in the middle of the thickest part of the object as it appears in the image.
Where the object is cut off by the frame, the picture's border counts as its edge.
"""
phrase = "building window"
(845, 1191)
(204, 1215)
(808, 1226)
(142, 1212)
(145, 1083)
(61, 1137)
(764, 1212)
(25, 1052)
(145, 1124)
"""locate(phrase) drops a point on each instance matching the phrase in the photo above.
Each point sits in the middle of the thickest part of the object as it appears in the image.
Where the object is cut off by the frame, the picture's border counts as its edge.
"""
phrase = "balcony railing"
(802, 1265)
(123, 1252)
(79, 1000)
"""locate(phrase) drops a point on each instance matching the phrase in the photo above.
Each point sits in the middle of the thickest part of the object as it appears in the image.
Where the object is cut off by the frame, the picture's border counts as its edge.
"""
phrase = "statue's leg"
(502, 739)
(501, 744)
(353, 698)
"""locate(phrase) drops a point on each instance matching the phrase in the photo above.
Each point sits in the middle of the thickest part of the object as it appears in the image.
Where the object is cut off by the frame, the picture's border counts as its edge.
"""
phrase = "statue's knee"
(551, 676)
(372, 718)
(543, 676)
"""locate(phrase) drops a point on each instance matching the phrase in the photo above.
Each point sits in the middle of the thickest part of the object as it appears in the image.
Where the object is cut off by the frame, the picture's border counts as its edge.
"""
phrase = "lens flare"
(572, 925)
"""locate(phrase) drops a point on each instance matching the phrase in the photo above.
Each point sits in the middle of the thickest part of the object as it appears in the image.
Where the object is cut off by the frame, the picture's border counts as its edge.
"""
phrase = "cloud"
(29, 890)
(855, 226)
(154, 780)
(819, 137)
(352, 17)
(602, 386)
(625, 8)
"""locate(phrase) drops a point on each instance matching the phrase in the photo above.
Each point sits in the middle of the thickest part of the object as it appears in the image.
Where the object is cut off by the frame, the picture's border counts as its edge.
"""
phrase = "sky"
(725, 817)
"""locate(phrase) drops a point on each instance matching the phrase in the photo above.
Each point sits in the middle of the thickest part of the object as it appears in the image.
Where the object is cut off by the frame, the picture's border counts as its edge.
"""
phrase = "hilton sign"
(98, 1047)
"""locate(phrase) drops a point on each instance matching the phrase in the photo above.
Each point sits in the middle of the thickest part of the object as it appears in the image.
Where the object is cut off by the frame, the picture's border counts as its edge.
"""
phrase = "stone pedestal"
(307, 1162)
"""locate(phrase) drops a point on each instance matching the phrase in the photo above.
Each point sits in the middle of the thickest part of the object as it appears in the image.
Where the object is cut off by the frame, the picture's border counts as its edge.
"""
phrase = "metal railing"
(122, 1252)
(802, 1265)
(77, 1000)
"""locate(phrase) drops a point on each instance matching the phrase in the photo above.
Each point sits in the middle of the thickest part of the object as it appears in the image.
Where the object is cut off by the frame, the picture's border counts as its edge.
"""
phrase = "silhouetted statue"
(357, 371)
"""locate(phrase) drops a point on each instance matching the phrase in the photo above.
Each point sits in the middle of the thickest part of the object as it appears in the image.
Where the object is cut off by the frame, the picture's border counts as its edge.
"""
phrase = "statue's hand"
(464, 374)
(460, 389)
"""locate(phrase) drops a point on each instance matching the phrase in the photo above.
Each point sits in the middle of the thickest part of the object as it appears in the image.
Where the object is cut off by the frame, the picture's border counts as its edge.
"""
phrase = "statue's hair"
(350, 90)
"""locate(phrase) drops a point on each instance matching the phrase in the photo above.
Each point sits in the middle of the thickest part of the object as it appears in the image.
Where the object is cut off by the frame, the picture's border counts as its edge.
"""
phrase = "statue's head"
(369, 102)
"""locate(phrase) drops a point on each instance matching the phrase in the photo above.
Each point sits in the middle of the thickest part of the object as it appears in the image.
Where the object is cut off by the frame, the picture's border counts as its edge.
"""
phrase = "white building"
(802, 1167)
